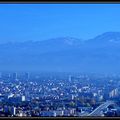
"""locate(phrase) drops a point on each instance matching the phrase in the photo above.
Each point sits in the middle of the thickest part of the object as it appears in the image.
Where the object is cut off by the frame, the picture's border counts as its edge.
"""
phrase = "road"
(98, 110)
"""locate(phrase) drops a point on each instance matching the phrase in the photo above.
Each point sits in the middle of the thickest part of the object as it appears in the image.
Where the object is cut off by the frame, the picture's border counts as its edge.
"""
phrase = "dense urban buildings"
(59, 95)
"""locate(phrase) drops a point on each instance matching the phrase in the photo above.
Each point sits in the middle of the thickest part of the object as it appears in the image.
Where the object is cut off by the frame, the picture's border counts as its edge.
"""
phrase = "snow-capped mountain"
(100, 54)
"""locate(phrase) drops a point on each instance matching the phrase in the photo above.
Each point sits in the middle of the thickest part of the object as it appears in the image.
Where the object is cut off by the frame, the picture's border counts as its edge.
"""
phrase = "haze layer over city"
(59, 60)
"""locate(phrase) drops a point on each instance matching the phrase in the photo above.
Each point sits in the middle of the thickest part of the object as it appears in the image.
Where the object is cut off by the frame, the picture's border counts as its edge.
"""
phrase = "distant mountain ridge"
(100, 54)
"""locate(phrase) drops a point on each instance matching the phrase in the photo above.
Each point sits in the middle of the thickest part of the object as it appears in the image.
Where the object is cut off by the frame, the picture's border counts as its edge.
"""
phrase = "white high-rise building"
(23, 98)
(113, 93)
(26, 75)
(13, 110)
(0, 75)
(70, 78)
(14, 76)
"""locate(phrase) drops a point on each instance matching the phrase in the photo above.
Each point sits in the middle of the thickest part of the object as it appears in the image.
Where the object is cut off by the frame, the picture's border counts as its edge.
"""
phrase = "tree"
(88, 105)
(92, 102)
(72, 104)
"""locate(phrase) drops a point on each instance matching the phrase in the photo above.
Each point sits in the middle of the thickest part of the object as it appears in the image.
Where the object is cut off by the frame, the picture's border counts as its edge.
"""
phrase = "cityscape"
(59, 60)
(59, 95)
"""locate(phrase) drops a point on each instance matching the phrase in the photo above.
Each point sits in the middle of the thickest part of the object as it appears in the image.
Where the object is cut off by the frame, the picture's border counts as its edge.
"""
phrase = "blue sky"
(23, 22)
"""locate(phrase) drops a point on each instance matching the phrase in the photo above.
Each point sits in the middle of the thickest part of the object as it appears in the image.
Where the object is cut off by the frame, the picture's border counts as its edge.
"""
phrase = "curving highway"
(98, 110)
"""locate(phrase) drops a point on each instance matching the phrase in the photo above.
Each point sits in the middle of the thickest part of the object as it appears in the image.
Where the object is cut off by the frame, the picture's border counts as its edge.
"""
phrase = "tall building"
(69, 78)
(9, 75)
(14, 76)
(26, 76)
(113, 93)
(13, 110)
(0, 75)
(23, 98)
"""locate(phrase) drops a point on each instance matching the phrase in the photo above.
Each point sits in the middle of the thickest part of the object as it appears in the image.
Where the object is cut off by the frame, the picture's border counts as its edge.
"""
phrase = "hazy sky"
(21, 22)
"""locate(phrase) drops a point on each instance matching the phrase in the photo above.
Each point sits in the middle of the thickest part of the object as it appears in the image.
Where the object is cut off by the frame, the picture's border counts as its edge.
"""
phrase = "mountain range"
(64, 54)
